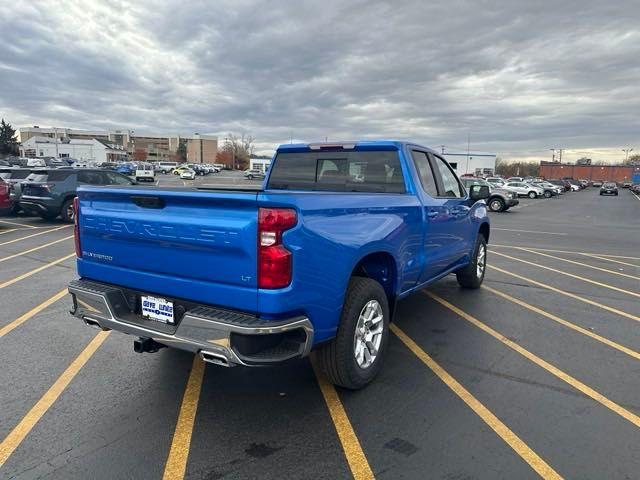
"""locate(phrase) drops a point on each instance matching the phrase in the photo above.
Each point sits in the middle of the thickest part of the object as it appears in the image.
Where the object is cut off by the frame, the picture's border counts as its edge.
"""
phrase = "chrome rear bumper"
(219, 336)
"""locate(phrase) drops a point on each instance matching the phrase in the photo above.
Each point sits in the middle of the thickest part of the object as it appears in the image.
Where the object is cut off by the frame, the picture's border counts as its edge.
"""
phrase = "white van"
(145, 172)
(166, 167)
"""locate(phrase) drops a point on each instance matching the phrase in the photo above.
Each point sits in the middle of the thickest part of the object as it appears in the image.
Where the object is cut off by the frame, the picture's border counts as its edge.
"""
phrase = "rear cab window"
(338, 171)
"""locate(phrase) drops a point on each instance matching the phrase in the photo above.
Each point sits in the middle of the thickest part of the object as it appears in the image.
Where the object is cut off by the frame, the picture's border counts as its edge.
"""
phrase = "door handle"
(432, 214)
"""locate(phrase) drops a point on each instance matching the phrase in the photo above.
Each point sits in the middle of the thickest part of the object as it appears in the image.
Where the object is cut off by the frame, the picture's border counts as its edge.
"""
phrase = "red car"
(5, 200)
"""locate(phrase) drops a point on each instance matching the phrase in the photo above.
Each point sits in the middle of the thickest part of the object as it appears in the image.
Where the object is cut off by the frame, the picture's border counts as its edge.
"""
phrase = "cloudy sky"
(519, 77)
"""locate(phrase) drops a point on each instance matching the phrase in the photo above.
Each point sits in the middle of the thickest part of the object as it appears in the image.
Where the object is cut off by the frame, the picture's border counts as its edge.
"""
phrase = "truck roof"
(350, 145)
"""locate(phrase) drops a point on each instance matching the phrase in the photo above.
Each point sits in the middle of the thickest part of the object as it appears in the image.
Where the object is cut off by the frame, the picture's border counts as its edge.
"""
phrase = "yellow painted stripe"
(606, 259)
(534, 460)
(176, 465)
(612, 272)
(34, 271)
(19, 254)
(555, 318)
(568, 251)
(565, 377)
(358, 463)
(17, 224)
(10, 230)
(567, 274)
(23, 318)
(567, 294)
(18, 434)
(35, 235)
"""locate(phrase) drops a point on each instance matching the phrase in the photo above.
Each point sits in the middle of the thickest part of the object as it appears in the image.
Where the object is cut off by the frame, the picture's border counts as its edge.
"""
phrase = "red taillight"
(76, 226)
(274, 261)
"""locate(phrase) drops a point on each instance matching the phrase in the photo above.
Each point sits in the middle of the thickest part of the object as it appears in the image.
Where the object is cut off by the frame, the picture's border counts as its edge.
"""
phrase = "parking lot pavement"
(536, 374)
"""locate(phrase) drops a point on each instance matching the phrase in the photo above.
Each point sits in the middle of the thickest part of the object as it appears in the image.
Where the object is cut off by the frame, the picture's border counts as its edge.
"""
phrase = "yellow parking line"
(18, 434)
(358, 463)
(565, 377)
(612, 272)
(568, 294)
(11, 230)
(18, 224)
(176, 465)
(541, 467)
(34, 271)
(23, 318)
(567, 251)
(567, 324)
(35, 235)
(4, 259)
(566, 274)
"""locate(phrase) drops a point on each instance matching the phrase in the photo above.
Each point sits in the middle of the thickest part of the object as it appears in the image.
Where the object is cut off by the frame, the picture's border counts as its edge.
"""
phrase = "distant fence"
(613, 173)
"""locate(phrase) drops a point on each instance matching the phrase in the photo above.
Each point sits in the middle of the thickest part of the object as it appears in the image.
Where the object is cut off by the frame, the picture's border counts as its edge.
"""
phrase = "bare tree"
(240, 147)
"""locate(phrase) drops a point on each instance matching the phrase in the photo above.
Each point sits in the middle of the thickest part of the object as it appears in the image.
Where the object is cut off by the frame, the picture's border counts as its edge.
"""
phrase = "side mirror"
(478, 192)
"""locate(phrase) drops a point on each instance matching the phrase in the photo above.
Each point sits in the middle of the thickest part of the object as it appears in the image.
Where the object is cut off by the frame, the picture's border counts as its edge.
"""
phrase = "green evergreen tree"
(8, 143)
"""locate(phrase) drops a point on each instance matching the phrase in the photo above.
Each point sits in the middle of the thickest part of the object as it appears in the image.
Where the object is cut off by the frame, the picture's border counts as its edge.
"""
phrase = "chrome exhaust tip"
(215, 358)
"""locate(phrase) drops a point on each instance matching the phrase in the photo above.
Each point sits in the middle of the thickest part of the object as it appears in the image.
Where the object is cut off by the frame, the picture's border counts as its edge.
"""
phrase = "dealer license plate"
(156, 308)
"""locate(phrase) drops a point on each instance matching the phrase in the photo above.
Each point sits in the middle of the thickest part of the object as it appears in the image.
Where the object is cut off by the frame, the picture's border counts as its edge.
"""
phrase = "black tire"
(547, 194)
(468, 276)
(67, 213)
(600, 193)
(337, 358)
(496, 204)
(532, 194)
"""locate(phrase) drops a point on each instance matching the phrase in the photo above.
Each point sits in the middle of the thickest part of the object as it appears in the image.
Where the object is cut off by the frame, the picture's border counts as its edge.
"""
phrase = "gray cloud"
(520, 77)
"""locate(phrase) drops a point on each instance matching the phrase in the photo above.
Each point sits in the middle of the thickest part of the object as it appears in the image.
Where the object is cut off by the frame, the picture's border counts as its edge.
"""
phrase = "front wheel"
(354, 357)
(472, 275)
(496, 205)
(68, 213)
(547, 194)
(532, 194)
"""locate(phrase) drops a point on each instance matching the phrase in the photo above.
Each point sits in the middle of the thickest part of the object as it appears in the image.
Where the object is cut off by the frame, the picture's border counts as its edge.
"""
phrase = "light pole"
(626, 153)
(553, 155)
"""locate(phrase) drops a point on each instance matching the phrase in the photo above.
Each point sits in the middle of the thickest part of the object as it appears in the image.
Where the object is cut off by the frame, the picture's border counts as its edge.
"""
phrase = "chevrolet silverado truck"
(316, 258)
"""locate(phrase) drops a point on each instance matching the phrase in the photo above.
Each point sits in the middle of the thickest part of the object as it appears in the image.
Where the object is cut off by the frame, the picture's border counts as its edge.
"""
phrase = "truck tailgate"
(190, 244)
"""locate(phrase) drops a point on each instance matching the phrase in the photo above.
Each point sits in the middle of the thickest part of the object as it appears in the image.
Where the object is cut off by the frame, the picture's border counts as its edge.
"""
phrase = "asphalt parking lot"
(537, 374)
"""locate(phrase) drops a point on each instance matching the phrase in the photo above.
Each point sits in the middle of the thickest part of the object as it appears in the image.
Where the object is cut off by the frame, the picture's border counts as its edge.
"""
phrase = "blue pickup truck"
(316, 258)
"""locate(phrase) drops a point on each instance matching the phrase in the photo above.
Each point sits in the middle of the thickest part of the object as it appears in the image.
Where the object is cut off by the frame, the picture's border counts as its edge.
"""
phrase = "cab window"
(450, 187)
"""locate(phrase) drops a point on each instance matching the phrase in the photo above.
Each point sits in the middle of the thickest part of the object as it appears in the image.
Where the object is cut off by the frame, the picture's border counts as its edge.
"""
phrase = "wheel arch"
(382, 267)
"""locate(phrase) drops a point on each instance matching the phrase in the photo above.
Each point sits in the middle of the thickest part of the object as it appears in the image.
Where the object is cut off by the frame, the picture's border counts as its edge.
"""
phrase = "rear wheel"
(532, 194)
(354, 357)
(68, 213)
(547, 194)
(496, 205)
(472, 275)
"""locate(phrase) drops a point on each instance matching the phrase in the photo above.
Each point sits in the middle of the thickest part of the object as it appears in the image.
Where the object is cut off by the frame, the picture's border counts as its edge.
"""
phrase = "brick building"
(613, 173)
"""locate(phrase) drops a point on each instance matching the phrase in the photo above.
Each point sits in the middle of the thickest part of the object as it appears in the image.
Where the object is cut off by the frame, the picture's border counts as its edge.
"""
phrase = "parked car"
(561, 183)
(145, 172)
(251, 174)
(584, 183)
(15, 177)
(597, 183)
(54, 197)
(5, 197)
(636, 188)
(626, 184)
(167, 167)
(500, 200)
(555, 189)
(4, 163)
(609, 188)
(263, 275)
(514, 179)
(126, 169)
(187, 174)
(179, 170)
(496, 181)
(524, 189)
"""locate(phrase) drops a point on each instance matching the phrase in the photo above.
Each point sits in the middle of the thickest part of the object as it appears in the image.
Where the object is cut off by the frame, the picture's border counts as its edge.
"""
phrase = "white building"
(89, 150)
(261, 164)
(474, 163)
